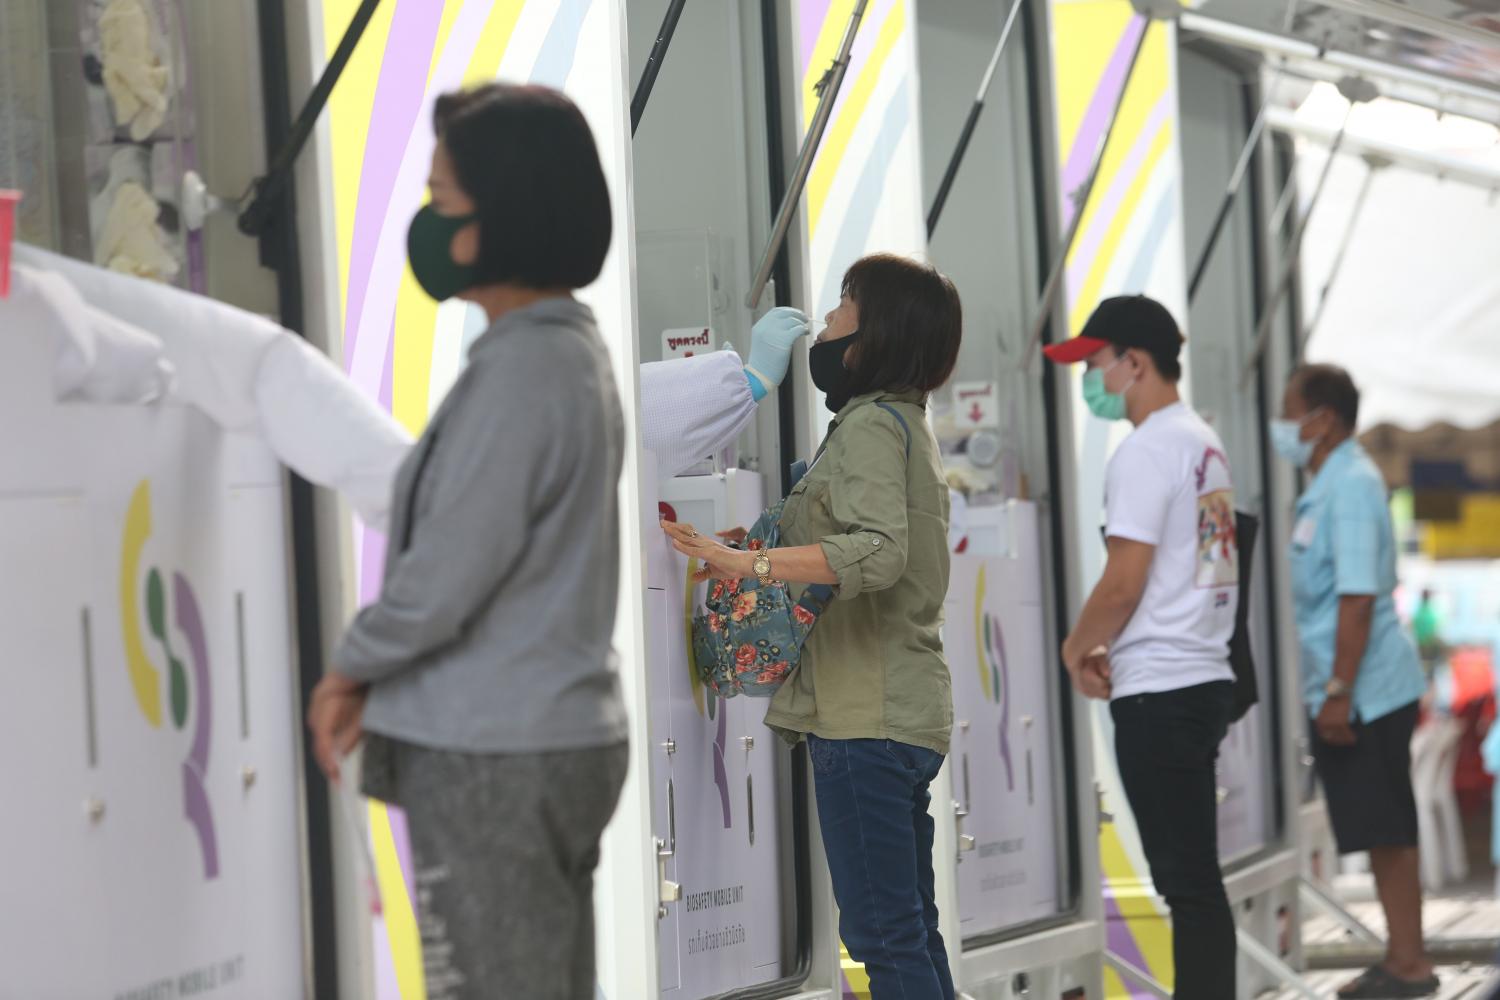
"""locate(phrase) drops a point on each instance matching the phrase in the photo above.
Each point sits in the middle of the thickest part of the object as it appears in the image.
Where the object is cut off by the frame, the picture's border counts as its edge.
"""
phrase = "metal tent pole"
(1374, 164)
(1294, 258)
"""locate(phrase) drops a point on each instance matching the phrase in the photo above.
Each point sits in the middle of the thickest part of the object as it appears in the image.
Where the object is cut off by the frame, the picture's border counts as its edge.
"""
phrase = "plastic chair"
(1425, 764)
(1445, 796)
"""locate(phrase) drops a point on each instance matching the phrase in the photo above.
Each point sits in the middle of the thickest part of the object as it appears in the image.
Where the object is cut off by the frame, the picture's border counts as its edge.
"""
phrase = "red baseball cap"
(1070, 352)
(1124, 321)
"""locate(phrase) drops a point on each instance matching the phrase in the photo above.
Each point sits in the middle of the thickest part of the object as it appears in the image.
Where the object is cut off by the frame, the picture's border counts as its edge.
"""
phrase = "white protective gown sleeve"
(693, 407)
(97, 358)
(243, 371)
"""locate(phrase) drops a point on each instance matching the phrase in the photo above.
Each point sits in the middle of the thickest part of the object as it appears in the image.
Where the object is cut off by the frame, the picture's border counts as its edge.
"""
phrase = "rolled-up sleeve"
(867, 498)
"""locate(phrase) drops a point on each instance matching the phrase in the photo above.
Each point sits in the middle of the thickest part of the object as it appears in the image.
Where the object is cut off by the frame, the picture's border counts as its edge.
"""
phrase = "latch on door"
(965, 841)
(667, 890)
(961, 811)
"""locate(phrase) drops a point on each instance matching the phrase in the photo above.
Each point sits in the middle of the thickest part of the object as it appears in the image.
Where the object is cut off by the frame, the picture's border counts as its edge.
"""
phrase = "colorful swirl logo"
(145, 677)
(714, 706)
(994, 670)
(707, 705)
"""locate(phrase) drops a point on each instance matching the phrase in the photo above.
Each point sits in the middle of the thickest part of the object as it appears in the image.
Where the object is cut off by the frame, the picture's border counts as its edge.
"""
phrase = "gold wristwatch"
(1337, 688)
(762, 567)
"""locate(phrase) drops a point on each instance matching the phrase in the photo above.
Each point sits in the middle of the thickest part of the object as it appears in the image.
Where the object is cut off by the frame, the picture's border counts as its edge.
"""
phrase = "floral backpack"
(751, 636)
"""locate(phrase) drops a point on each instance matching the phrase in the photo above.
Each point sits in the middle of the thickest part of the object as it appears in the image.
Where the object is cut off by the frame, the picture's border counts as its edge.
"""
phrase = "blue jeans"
(872, 810)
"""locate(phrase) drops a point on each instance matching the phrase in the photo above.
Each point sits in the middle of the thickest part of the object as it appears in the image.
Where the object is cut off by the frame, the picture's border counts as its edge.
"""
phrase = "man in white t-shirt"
(1153, 636)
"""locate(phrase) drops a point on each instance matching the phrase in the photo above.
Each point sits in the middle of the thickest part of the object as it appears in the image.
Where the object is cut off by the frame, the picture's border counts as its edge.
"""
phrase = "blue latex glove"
(771, 341)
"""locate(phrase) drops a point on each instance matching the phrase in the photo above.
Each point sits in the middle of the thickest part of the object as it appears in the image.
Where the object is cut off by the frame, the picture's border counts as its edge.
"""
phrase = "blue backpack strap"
(887, 407)
(817, 597)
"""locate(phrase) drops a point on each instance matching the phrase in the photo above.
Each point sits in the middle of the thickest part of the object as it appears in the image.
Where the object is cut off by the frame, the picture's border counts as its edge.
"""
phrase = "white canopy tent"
(1415, 311)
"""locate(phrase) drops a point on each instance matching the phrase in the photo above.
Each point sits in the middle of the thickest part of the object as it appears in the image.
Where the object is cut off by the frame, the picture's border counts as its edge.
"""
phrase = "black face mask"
(826, 363)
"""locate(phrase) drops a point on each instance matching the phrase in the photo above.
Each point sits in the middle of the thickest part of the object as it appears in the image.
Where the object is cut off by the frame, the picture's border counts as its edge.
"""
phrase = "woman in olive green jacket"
(871, 694)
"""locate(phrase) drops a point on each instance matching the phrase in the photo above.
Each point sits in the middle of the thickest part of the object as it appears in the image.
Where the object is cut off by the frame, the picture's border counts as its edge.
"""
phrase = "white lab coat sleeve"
(250, 375)
(97, 357)
(318, 422)
(693, 407)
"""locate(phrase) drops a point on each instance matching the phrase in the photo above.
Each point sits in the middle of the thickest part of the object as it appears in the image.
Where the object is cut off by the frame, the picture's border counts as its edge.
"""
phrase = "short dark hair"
(1138, 322)
(910, 324)
(527, 158)
(1328, 387)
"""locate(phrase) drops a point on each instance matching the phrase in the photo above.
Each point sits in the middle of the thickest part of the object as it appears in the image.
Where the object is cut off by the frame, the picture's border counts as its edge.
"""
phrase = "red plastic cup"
(8, 202)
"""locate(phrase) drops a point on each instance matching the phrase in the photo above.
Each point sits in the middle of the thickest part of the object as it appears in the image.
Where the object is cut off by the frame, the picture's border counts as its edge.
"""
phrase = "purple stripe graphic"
(1096, 119)
(399, 95)
(200, 817)
(402, 838)
(810, 17)
(1122, 942)
(1002, 683)
(387, 985)
(864, 43)
(191, 622)
(1088, 244)
(387, 370)
(408, 164)
(196, 806)
(412, 159)
(371, 564)
(721, 776)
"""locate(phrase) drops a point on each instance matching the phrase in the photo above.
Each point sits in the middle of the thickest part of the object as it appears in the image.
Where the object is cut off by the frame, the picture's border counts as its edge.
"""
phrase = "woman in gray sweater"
(482, 679)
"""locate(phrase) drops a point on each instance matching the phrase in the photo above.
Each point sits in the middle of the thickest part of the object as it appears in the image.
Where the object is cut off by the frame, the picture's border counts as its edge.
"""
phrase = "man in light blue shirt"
(1361, 680)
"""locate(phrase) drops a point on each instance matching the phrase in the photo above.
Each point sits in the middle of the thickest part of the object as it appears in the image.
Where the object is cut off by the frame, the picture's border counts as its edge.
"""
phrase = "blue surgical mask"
(1286, 439)
(1101, 402)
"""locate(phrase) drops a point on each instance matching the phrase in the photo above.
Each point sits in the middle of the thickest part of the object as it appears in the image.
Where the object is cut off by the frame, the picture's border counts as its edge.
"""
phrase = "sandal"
(1379, 983)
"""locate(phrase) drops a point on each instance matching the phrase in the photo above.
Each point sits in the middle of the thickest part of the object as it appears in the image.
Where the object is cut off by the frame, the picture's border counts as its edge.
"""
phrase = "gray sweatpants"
(504, 848)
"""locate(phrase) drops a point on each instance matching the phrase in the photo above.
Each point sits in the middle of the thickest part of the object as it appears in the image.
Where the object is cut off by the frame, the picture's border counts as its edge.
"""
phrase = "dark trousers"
(504, 848)
(1166, 745)
(872, 810)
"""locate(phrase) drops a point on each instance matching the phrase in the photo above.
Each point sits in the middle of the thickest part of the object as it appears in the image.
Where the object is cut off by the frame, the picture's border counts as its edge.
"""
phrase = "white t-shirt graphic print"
(1168, 485)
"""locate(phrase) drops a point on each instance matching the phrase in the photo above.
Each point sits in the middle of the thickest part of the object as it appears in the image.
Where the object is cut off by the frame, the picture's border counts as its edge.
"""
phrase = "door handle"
(750, 804)
(91, 728)
(671, 818)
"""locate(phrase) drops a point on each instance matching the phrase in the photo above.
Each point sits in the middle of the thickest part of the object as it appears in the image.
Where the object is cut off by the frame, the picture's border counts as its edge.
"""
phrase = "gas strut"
(941, 198)
(266, 189)
(653, 63)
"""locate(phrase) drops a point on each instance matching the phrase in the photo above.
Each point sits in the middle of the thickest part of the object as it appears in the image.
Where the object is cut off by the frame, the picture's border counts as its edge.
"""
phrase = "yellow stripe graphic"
(826, 47)
(400, 917)
(144, 678)
(349, 108)
(836, 142)
(416, 313)
(979, 658)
